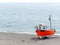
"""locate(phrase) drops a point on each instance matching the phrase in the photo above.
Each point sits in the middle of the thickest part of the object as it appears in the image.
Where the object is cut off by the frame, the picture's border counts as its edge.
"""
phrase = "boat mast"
(50, 22)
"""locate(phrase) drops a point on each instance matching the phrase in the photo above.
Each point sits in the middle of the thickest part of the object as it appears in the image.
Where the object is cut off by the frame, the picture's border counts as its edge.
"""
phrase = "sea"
(23, 17)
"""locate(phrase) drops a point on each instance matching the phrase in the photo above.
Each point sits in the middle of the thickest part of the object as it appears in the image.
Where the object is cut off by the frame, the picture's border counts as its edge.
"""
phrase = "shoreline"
(26, 33)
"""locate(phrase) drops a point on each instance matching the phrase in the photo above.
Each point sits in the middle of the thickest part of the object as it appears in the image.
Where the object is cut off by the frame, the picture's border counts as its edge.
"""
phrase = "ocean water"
(22, 17)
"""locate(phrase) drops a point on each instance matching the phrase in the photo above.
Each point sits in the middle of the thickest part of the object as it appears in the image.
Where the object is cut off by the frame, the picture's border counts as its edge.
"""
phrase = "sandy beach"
(26, 39)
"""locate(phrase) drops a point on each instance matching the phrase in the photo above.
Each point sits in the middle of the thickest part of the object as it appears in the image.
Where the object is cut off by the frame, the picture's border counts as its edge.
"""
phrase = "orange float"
(42, 31)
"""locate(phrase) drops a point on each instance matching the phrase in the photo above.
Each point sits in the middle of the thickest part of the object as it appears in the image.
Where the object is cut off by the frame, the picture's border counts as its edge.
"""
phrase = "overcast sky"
(29, 0)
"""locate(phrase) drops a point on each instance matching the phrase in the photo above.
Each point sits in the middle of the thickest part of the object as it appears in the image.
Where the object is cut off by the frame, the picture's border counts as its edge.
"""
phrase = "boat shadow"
(44, 38)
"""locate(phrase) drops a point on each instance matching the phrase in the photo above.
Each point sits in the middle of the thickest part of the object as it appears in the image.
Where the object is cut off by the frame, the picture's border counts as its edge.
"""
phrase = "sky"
(29, 0)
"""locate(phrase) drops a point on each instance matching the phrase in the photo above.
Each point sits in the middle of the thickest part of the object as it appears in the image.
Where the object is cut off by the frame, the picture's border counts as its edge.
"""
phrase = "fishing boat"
(42, 30)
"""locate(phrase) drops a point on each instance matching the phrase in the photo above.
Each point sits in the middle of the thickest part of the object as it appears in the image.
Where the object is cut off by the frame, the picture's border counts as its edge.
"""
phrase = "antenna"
(50, 22)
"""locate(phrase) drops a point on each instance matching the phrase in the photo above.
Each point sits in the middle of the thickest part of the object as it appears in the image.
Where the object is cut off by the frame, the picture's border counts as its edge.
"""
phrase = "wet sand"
(26, 39)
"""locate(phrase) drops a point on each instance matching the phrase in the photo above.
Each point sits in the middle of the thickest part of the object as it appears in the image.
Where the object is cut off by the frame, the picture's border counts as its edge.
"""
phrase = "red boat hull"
(45, 32)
